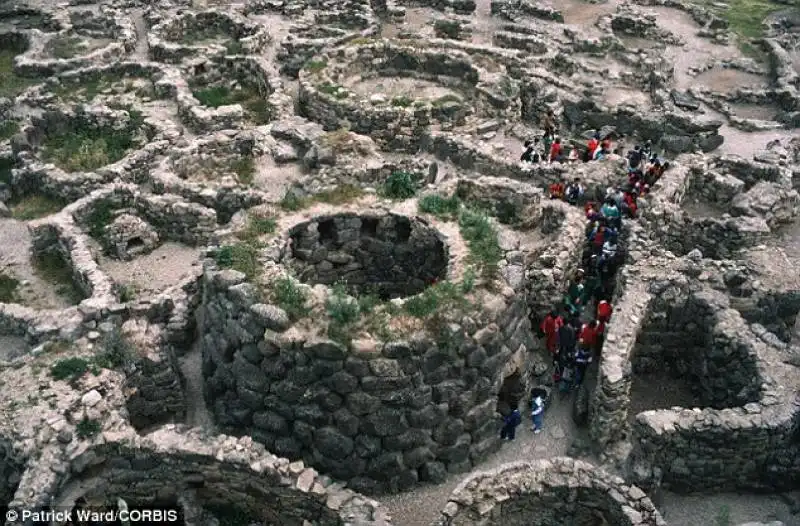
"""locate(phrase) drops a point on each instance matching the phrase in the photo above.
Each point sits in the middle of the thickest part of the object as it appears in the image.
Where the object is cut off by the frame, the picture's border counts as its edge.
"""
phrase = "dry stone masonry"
(259, 256)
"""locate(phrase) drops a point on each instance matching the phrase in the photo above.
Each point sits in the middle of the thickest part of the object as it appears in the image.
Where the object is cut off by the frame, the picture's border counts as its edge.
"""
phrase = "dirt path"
(422, 505)
(142, 49)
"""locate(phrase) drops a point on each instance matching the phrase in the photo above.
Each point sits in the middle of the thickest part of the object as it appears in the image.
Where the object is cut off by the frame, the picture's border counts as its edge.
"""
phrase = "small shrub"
(35, 206)
(723, 517)
(214, 97)
(87, 428)
(402, 101)
(8, 289)
(290, 297)
(126, 293)
(400, 185)
(315, 66)
(481, 238)
(115, 350)
(242, 257)
(245, 169)
(69, 369)
(257, 226)
(439, 205)
(292, 202)
(468, 281)
(101, 215)
(367, 303)
(342, 308)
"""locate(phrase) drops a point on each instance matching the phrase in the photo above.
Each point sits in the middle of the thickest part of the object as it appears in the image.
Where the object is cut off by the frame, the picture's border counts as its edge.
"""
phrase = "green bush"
(439, 205)
(69, 368)
(242, 257)
(292, 202)
(99, 218)
(87, 428)
(315, 66)
(289, 296)
(402, 101)
(400, 185)
(245, 169)
(442, 295)
(114, 350)
(342, 308)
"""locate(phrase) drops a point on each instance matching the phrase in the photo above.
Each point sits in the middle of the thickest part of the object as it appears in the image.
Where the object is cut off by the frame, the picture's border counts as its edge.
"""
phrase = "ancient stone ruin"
(291, 262)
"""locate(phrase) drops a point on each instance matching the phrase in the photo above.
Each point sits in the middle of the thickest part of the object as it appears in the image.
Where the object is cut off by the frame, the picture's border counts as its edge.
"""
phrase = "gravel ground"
(156, 271)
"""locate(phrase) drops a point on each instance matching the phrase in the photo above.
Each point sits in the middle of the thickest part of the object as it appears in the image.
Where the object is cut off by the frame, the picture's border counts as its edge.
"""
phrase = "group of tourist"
(574, 332)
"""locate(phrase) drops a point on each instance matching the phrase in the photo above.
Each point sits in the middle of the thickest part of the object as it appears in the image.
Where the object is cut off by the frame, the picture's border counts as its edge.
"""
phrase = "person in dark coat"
(510, 424)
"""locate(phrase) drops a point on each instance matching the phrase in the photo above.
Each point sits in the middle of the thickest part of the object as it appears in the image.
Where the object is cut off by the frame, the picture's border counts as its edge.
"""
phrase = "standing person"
(549, 123)
(574, 191)
(592, 145)
(549, 327)
(604, 310)
(537, 414)
(583, 357)
(510, 423)
(531, 153)
(555, 151)
(566, 340)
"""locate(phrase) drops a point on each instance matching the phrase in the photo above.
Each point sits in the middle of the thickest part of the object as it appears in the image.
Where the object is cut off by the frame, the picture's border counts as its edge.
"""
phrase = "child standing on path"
(510, 423)
(537, 414)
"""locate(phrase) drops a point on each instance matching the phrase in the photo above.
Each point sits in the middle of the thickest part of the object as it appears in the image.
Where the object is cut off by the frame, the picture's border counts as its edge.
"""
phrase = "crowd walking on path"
(574, 331)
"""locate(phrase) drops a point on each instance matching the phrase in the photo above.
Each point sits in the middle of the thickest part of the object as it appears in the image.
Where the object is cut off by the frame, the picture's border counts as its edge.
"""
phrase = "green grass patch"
(69, 369)
(290, 296)
(745, 19)
(315, 66)
(51, 266)
(86, 148)
(8, 289)
(64, 46)
(88, 88)
(251, 99)
(291, 202)
(344, 312)
(400, 185)
(255, 228)
(439, 205)
(35, 206)
(723, 517)
(87, 428)
(8, 129)
(402, 101)
(340, 195)
(481, 237)
(126, 293)
(11, 84)
(115, 350)
(444, 99)
(442, 296)
(241, 256)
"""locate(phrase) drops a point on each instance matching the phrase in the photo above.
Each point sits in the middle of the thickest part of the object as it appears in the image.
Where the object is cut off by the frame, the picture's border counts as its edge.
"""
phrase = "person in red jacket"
(555, 151)
(604, 310)
(591, 146)
(589, 334)
(550, 325)
(630, 200)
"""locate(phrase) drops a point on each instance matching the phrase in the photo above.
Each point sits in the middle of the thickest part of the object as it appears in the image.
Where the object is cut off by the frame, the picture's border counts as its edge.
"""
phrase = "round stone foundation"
(390, 256)
(556, 492)
(381, 410)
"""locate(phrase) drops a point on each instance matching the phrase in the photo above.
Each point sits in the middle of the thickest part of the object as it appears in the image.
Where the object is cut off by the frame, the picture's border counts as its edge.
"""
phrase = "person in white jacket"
(537, 414)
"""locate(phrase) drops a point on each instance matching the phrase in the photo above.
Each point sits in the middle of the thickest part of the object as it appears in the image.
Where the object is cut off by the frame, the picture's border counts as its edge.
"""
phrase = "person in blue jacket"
(510, 423)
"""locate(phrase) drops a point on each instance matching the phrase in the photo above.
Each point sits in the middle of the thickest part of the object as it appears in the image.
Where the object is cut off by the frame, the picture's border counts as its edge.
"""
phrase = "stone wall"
(402, 125)
(172, 217)
(194, 471)
(548, 493)
(155, 393)
(709, 451)
(503, 197)
(171, 40)
(388, 255)
(11, 468)
(381, 416)
(254, 72)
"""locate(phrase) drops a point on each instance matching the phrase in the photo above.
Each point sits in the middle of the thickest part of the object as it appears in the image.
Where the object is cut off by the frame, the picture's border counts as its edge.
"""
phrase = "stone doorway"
(511, 393)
